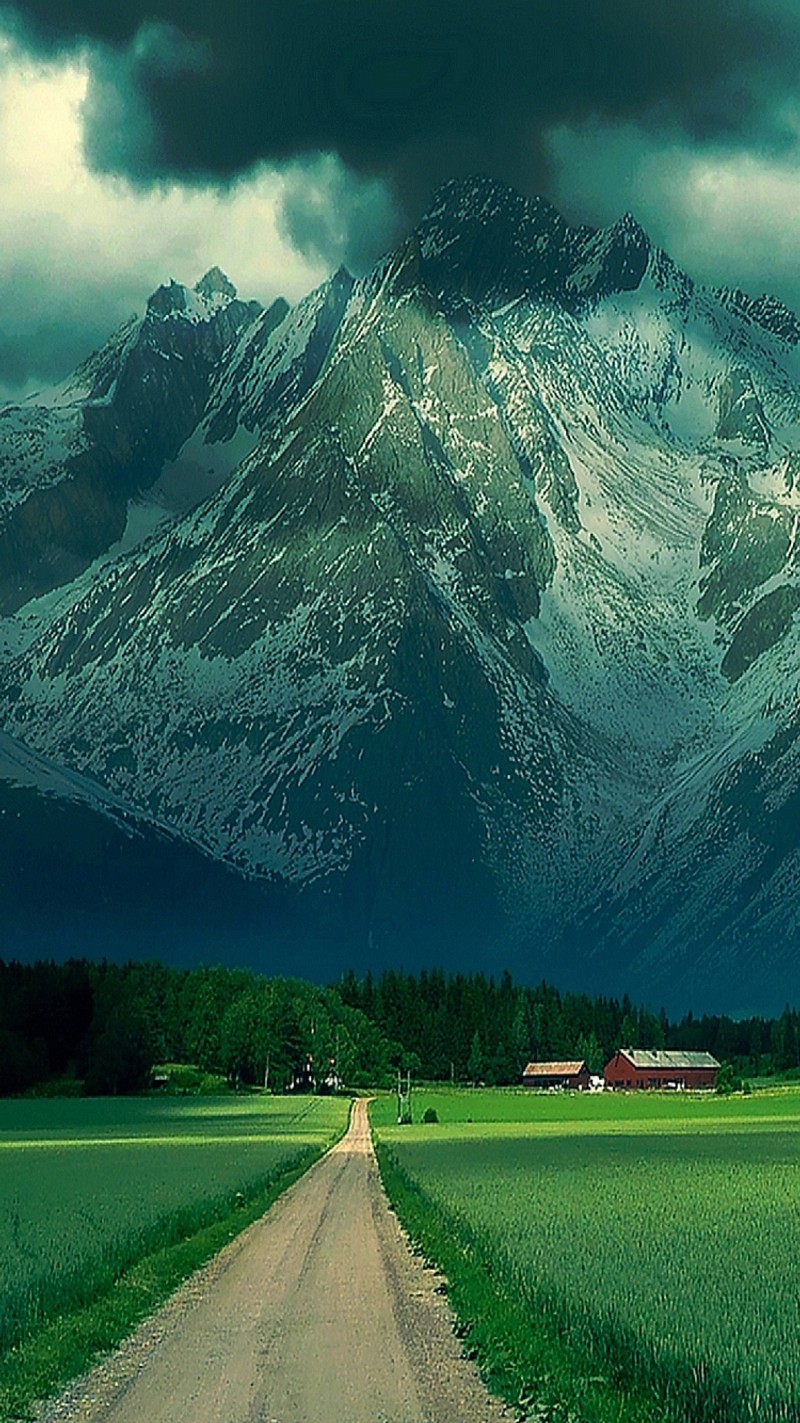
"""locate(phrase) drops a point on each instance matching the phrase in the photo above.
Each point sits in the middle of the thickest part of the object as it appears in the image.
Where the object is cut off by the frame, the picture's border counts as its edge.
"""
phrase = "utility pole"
(404, 1116)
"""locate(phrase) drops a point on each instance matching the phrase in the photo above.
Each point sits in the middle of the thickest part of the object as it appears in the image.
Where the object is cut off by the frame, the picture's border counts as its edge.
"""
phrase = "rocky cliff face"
(72, 460)
(455, 607)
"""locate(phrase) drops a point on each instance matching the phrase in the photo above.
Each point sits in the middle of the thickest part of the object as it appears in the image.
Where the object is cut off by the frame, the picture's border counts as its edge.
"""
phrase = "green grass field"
(650, 1242)
(91, 1188)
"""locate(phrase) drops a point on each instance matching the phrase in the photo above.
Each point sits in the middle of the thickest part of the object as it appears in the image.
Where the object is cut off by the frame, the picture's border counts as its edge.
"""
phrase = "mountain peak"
(629, 230)
(479, 198)
(216, 283)
(609, 259)
(484, 240)
(167, 300)
(211, 295)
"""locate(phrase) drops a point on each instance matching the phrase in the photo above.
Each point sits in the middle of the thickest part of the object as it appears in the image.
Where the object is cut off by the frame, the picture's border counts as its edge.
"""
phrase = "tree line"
(103, 1026)
(469, 1027)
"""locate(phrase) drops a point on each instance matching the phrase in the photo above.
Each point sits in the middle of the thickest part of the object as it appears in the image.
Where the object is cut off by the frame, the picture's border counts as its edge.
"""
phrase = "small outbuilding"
(637, 1068)
(570, 1075)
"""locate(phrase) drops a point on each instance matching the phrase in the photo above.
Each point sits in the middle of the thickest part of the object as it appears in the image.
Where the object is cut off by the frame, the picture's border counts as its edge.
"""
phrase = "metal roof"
(554, 1069)
(640, 1057)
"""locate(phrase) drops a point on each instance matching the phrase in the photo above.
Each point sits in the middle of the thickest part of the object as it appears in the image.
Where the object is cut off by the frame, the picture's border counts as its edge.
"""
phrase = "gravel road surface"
(318, 1313)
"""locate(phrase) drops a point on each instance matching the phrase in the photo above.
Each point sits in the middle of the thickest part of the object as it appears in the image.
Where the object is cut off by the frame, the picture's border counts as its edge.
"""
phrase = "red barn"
(635, 1067)
(574, 1075)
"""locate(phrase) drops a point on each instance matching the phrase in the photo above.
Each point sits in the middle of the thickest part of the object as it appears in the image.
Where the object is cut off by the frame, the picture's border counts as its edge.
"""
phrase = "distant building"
(637, 1068)
(574, 1075)
(303, 1078)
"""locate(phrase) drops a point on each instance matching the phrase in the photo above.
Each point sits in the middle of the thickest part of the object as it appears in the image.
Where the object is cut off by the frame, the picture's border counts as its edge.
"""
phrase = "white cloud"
(79, 252)
(728, 216)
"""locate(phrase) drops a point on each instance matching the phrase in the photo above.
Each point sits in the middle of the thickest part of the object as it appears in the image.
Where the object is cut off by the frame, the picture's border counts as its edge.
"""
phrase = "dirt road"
(318, 1313)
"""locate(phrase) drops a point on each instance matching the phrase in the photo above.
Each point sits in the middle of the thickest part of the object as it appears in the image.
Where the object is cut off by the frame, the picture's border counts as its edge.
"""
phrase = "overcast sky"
(147, 139)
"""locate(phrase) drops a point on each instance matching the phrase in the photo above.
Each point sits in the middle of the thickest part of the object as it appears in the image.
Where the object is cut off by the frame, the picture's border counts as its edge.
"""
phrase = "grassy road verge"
(103, 1215)
(614, 1259)
(521, 1355)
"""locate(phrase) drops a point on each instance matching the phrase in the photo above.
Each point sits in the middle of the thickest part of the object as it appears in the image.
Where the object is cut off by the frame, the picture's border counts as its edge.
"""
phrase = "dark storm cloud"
(411, 92)
(329, 214)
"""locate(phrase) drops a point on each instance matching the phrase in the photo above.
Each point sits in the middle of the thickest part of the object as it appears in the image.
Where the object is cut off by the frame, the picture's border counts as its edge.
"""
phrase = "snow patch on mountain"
(35, 442)
(488, 560)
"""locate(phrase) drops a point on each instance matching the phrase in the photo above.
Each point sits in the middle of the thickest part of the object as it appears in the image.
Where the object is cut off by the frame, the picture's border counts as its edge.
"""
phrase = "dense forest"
(472, 1028)
(106, 1026)
(101, 1028)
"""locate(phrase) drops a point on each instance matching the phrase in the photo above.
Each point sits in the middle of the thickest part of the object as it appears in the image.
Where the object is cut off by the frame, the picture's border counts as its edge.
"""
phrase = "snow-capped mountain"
(451, 610)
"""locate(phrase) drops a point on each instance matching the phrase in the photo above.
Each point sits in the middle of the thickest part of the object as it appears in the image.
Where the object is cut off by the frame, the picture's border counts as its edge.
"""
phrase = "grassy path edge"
(69, 1344)
(522, 1361)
